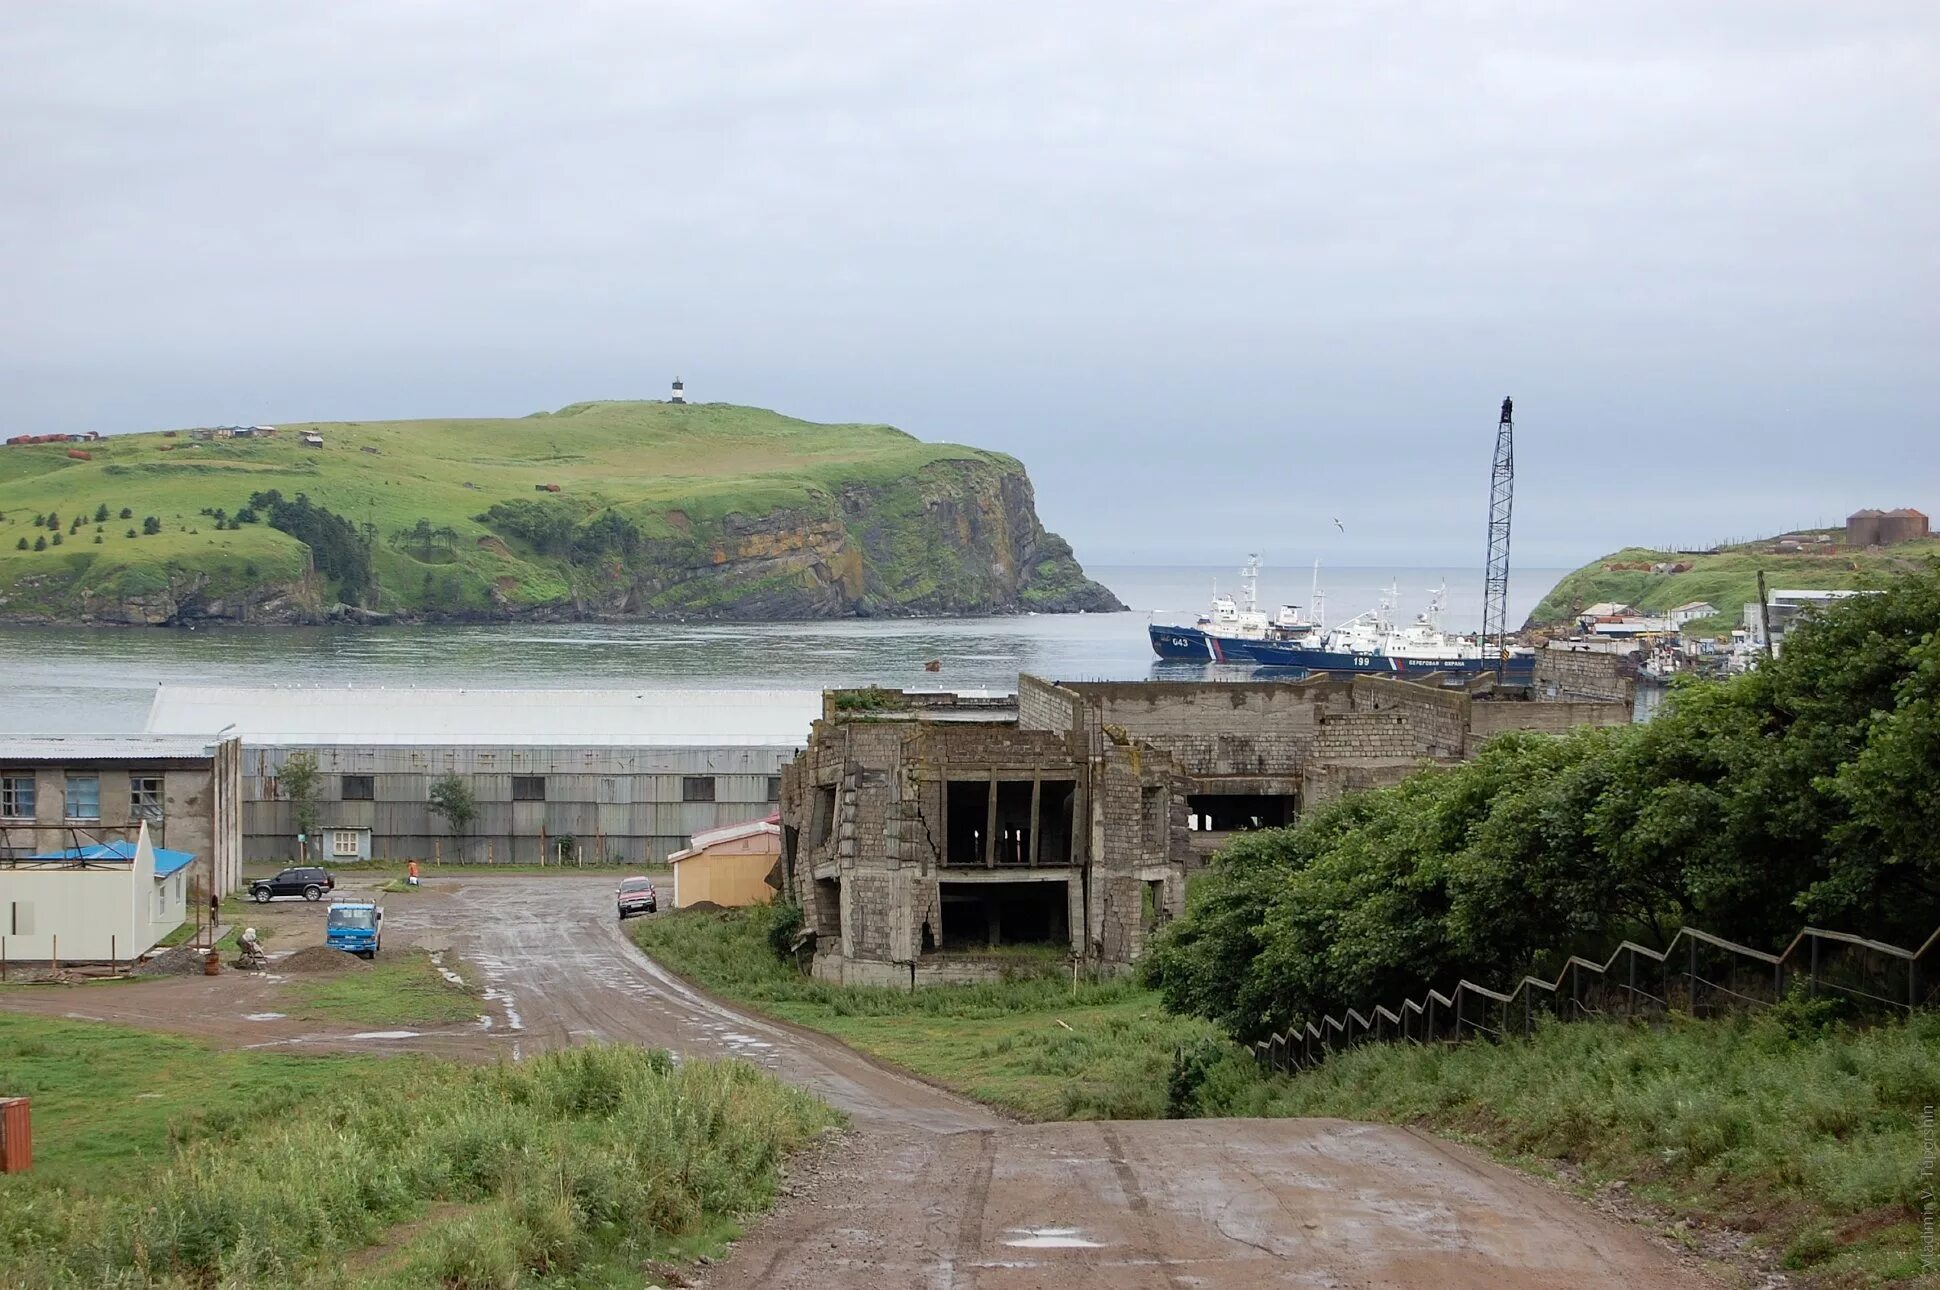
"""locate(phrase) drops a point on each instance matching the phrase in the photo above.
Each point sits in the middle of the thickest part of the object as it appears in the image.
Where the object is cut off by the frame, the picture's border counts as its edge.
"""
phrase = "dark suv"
(309, 883)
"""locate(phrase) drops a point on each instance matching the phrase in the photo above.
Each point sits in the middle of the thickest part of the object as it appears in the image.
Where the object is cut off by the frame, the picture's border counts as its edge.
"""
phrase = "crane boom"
(1495, 587)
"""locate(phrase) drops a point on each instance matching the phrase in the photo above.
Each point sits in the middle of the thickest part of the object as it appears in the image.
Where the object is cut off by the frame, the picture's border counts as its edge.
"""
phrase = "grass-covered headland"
(162, 1163)
(609, 509)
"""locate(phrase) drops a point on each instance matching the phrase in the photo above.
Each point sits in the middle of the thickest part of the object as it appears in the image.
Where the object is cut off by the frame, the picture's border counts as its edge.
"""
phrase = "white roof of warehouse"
(298, 715)
(79, 748)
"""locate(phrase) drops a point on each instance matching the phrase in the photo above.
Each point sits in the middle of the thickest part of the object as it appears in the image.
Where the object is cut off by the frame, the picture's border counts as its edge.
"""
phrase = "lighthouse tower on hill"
(680, 392)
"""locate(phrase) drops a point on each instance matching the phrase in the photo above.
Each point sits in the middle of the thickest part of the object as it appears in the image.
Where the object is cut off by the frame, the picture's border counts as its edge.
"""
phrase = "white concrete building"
(92, 904)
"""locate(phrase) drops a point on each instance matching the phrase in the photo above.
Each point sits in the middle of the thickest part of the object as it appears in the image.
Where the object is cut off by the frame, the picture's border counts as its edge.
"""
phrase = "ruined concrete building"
(934, 837)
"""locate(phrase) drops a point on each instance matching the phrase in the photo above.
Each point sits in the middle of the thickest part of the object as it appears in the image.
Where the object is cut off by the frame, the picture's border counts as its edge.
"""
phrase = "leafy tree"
(301, 783)
(150, 526)
(97, 538)
(101, 513)
(131, 533)
(127, 514)
(451, 797)
(39, 520)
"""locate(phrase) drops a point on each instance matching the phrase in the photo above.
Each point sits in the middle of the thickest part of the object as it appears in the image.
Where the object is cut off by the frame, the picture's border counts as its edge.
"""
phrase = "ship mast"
(1495, 586)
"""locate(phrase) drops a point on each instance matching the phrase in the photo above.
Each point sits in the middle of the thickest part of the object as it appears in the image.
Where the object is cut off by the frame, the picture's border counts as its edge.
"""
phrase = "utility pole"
(1495, 587)
(1764, 614)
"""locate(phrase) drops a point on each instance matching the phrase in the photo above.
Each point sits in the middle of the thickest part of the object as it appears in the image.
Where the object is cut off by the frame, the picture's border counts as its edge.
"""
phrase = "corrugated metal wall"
(626, 801)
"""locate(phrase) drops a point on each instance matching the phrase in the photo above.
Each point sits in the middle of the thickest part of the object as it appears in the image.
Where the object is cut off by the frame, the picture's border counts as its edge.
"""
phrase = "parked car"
(637, 897)
(308, 882)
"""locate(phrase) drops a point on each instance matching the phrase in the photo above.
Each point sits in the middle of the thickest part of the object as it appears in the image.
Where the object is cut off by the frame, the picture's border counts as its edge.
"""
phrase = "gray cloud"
(1217, 273)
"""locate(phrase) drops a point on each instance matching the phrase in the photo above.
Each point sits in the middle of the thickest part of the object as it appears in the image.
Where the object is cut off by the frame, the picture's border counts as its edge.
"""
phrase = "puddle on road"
(263, 1016)
(1049, 1238)
(385, 1034)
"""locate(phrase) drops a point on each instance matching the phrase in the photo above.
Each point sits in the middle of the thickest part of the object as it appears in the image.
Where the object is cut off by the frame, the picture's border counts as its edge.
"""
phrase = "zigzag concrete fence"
(1697, 974)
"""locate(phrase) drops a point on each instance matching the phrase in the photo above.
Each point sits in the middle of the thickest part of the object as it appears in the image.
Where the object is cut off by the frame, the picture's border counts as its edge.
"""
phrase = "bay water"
(100, 681)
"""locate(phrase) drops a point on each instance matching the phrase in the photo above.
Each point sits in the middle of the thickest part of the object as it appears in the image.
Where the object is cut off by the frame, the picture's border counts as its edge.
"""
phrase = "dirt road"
(936, 1191)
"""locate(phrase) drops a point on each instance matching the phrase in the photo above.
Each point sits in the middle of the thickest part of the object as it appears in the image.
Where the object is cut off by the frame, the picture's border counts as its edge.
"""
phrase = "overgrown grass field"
(164, 1163)
(1031, 1044)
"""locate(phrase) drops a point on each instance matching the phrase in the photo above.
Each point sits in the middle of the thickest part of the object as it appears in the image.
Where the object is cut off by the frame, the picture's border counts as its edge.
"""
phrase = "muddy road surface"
(932, 1190)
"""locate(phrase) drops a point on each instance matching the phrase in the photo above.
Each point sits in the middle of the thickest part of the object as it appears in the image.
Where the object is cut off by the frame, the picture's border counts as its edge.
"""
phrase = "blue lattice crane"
(1495, 586)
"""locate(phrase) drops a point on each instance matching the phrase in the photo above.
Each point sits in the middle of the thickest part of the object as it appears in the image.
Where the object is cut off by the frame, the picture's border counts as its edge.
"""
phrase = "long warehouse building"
(624, 776)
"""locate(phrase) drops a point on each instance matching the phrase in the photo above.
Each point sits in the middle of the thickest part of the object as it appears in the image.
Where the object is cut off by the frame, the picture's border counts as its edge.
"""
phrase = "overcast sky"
(1219, 273)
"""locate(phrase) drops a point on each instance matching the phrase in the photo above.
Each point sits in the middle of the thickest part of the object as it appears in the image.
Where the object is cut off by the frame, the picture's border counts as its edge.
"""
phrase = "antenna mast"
(1495, 586)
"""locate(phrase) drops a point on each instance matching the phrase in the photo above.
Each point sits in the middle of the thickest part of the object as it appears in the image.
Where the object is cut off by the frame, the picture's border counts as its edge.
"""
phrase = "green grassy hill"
(659, 510)
(1726, 578)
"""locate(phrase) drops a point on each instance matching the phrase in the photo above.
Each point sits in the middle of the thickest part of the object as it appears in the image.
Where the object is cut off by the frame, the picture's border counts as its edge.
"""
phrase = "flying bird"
(1337, 524)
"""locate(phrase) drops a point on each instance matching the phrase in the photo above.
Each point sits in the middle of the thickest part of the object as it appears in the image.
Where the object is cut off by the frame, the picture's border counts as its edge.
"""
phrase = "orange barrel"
(16, 1136)
(212, 965)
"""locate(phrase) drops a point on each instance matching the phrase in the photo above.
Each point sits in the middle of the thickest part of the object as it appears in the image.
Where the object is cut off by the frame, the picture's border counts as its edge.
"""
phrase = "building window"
(144, 797)
(343, 842)
(84, 797)
(774, 788)
(697, 788)
(528, 788)
(359, 788)
(17, 797)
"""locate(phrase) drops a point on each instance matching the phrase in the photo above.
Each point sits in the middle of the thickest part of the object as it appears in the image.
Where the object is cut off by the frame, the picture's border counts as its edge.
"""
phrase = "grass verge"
(258, 1169)
(1029, 1043)
(396, 990)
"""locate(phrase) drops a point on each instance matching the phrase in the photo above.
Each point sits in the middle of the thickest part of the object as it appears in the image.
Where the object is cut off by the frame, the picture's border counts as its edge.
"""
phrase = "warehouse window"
(774, 788)
(17, 797)
(144, 797)
(697, 788)
(528, 788)
(83, 797)
(359, 788)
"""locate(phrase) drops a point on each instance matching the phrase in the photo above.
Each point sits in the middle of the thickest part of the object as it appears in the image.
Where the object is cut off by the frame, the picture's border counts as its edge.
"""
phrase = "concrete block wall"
(1565, 673)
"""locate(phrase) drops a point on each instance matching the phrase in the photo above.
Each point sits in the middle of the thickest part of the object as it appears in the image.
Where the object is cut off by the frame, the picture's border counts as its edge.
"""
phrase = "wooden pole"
(114, 957)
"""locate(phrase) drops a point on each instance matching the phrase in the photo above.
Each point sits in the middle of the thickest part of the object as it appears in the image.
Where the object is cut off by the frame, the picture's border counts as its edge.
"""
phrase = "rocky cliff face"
(960, 538)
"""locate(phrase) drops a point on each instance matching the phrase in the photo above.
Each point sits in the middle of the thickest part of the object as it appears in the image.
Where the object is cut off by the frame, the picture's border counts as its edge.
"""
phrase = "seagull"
(1339, 525)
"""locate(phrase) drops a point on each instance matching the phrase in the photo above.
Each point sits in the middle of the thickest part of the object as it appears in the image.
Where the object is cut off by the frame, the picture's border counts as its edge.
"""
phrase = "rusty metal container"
(16, 1136)
(212, 965)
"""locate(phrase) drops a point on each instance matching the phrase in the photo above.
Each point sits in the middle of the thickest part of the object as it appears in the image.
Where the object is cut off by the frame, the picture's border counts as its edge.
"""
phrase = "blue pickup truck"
(355, 927)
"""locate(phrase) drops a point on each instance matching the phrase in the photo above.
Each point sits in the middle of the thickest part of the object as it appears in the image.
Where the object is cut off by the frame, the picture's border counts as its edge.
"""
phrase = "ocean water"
(61, 680)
